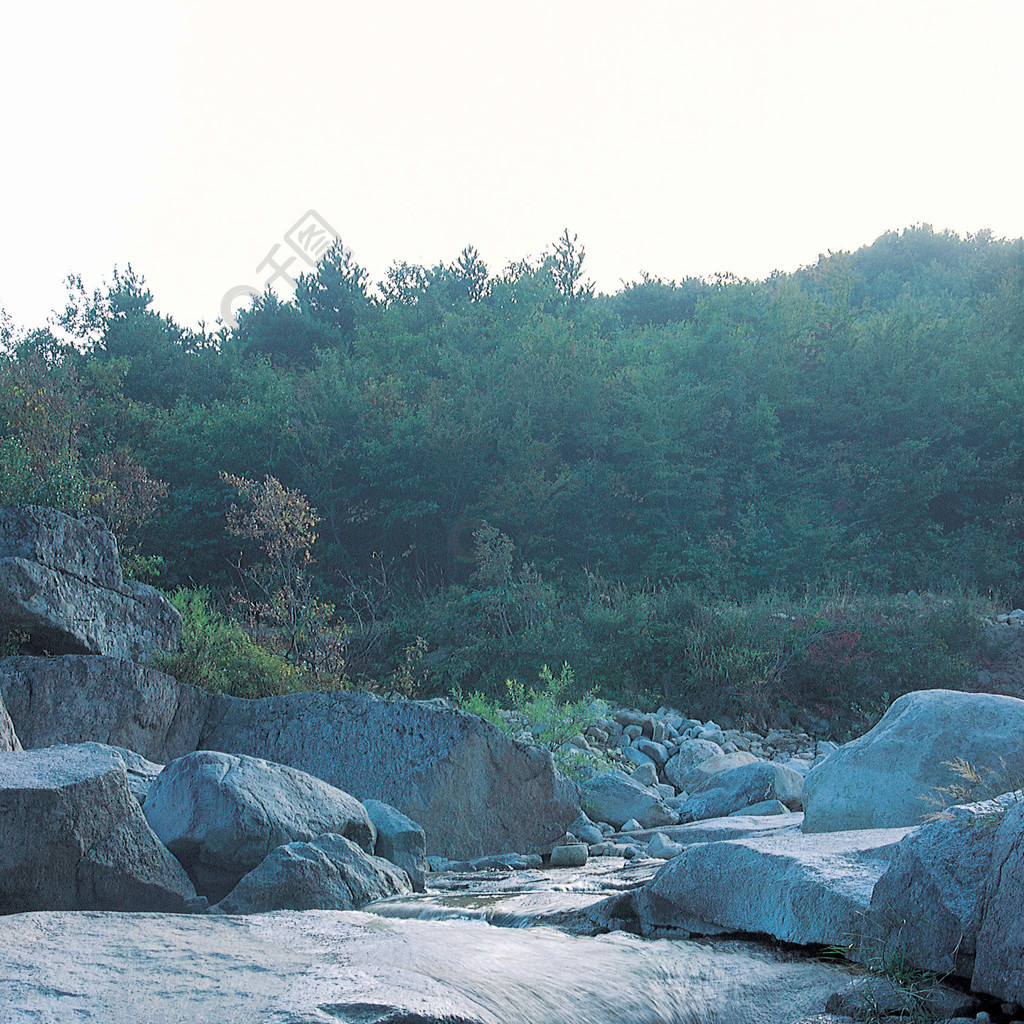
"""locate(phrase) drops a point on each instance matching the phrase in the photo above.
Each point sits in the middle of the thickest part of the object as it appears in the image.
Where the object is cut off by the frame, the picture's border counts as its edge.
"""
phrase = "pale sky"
(681, 138)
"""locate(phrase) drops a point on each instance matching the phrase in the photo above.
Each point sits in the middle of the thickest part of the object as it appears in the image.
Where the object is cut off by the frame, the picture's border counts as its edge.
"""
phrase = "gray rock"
(84, 548)
(615, 797)
(630, 753)
(631, 826)
(75, 699)
(661, 847)
(399, 840)
(872, 999)
(764, 808)
(690, 754)
(73, 838)
(585, 830)
(999, 961)
(693, 779)
(800, 889)
(572, 855)
(890, 776)
(927, 905)
(222, 814)
(61, 583)
(141, 773)
(645, 774)
(657, 752)
(740, 787)
(327, 873)
(8, 737)
(471, 788)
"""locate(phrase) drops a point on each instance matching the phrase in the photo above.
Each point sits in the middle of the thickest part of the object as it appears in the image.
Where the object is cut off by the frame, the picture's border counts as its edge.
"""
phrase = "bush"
(546, 717)
(217, 654)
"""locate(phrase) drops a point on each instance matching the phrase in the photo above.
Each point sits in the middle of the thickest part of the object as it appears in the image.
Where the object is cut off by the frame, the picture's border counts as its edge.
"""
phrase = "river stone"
(399, 840)
(764, 808)
(570, 855)
(891, 775)
(690, 754)
(700, 773)
(73, 838)
(616, 798)
(927, 905)
(8, 737)
(795, 888)
(327, 873)
(740, 787)
(61, 583)
(999, 961)
(221, 814)
(471, 789)
(646, 774)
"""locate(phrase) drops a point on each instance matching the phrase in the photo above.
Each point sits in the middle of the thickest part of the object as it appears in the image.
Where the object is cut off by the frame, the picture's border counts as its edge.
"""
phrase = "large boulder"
(399, 840)
(690, 754)
(473, 790)
(221, 814)
(706, 769)
(999, 960)
(61, 585)
(927, 905)
(73, 838)
(741, 788)
(75, 699)
(892, 775)
(796, 888)
(8, 737)
(616, 798)
(328, 873)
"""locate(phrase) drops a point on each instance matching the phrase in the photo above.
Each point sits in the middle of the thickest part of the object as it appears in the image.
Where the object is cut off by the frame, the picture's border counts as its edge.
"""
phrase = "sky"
(678, 138)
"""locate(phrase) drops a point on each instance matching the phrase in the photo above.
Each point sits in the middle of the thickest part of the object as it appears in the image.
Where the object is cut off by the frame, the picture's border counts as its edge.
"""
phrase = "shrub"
(547, 717)
(218, 654)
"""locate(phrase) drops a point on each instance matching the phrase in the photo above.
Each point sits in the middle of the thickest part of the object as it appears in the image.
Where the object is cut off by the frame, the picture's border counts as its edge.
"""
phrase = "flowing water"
(430, 959)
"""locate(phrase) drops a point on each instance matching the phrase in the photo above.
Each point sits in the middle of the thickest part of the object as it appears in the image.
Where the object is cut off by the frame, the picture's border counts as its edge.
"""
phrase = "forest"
(745, 496)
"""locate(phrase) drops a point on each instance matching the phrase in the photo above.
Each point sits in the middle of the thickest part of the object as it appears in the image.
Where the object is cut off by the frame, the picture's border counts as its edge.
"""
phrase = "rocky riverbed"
(168, 854)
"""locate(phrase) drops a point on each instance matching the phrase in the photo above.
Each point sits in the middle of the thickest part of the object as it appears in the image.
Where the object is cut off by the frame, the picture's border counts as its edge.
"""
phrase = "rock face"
(927, 905)
(75, 699)
(616, 798)
(73, 838)
(802, 889)
(61, 584)
(999, 962)
(889, 776)
(473, 790)
(221, 814)
(327, 873)
(740, 788)
(399, 840)
(8, 738)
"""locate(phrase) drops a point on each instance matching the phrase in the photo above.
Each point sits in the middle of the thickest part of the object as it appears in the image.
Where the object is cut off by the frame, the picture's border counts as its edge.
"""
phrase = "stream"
(486, 948)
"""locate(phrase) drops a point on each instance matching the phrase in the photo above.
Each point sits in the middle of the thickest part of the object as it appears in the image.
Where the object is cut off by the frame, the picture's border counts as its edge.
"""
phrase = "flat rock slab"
(326, 967)
(801, 889)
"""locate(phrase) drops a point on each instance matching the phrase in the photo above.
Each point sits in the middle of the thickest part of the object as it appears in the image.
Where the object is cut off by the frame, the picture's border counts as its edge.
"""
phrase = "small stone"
(572, 855)
(631, 826)
(646, 774)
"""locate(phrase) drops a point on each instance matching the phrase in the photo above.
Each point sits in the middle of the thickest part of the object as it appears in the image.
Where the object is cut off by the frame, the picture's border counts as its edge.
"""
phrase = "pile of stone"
(676, 770)
(875, 864)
